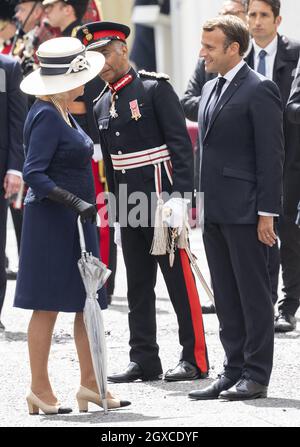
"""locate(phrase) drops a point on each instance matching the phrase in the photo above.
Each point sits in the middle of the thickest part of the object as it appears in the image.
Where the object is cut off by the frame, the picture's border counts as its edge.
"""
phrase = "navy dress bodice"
(67, 153)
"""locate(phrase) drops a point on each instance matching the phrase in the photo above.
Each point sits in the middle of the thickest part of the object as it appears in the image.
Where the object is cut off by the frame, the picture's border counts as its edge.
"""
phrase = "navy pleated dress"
(55, 155)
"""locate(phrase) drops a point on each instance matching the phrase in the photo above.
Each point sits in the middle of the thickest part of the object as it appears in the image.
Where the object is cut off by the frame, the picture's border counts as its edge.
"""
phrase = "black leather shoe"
(210, 309)
(285, 322)
(213, 391)
(245, 389)
(10, 274)
(132, 372)
(184, 371)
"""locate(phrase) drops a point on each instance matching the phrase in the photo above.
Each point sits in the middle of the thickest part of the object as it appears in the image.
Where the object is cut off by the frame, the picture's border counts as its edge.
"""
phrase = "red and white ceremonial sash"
(154, 156)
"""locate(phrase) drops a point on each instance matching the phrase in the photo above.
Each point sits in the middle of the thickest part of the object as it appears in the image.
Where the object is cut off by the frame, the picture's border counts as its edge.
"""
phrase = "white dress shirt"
(271, 51)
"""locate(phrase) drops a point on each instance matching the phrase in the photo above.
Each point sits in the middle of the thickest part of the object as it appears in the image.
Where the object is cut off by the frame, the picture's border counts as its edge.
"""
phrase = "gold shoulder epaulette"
(101, 94)
(153, 75)
(74, 31)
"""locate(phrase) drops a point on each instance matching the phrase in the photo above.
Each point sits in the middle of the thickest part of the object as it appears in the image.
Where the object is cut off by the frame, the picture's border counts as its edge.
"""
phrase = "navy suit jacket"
(242, 150)
(13, 108)
(284, 70)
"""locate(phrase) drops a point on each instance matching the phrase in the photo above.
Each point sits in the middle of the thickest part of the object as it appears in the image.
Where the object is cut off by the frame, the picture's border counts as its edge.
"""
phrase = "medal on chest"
(125, 80)
(135, 111)
(113, 111)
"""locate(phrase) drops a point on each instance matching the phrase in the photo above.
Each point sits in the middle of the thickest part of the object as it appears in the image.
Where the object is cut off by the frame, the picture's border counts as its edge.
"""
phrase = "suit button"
(117, 134)
(116, 97)
(119, 152)
(123, 171)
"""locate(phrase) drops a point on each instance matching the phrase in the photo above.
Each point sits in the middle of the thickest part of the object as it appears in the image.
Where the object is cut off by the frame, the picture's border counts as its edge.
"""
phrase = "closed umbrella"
(94, 275)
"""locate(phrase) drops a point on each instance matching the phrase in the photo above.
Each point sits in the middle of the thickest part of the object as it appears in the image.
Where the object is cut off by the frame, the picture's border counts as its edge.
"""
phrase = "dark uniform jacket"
(283, 74)
(162, 122)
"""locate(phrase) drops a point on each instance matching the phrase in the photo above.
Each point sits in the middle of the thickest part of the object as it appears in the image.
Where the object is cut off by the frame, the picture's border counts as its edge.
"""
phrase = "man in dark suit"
(12, 117)
(279, 61)
(241, 140)
(191, 98)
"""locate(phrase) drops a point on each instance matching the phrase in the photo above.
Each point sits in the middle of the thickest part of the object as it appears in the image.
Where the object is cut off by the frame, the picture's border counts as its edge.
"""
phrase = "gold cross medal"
(113, 111)
(135, 111)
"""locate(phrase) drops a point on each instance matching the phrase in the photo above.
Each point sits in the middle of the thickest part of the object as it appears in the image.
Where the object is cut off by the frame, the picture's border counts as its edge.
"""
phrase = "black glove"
(84, 209)
(298, 216)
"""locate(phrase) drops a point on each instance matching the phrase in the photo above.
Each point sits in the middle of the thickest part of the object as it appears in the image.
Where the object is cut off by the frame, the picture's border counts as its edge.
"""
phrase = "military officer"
(147, 151)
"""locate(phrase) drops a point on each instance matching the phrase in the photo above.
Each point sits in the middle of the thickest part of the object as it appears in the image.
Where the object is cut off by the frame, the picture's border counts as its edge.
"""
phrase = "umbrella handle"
(81, 235)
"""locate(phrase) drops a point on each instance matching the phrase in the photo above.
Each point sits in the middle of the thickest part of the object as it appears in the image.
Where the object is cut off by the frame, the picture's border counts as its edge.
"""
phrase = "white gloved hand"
(117, 234)
(97, 156)
(175, 213)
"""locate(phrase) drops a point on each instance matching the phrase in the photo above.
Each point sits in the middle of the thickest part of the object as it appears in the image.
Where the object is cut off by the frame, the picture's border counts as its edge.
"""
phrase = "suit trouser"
(3, 220)
(273, 269)
(289, 235)
(141, 269)
(238, 265)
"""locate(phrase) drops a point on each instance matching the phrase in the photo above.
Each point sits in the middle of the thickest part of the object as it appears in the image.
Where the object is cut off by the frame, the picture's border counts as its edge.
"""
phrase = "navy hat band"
(51, 66)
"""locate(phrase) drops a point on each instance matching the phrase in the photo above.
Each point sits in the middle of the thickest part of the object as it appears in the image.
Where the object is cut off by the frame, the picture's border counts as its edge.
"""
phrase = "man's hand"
(265, 230)
(12, 184)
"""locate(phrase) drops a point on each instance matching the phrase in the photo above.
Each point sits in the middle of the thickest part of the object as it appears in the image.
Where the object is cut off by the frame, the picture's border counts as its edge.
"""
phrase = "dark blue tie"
(214, 101)
(262, 62)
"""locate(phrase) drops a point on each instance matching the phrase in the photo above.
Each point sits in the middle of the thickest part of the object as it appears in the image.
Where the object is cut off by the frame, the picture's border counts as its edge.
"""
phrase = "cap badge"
(88, 35)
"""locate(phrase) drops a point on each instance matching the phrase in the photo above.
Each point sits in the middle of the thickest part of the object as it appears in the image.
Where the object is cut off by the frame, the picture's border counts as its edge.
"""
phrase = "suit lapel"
(229, 92)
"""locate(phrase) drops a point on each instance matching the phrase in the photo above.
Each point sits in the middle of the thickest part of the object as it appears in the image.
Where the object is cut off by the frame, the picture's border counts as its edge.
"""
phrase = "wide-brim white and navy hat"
(64, 65)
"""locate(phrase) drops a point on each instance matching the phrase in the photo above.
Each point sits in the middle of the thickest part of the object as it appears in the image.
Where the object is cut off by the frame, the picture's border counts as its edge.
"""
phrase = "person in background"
(276, 57)
(13, 109)
(143, 54)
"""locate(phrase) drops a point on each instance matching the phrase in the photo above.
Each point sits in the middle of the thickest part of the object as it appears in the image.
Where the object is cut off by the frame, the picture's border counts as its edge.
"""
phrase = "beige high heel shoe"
(35, 404)
(84, 396)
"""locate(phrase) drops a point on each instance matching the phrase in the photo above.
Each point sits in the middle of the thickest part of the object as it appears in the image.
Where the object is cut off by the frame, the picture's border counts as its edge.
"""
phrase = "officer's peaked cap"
(97, 34)
(26, 1)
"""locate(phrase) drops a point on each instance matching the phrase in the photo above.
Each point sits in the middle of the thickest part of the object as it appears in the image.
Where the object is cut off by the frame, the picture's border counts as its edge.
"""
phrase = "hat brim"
(38, 85)
(48, 2)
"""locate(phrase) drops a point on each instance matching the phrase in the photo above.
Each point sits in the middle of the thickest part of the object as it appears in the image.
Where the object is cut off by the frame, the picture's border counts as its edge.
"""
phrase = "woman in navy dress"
(58, 172)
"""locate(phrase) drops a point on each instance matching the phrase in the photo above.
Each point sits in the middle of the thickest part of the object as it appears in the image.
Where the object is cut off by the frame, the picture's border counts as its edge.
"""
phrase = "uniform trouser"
(289, 235)
(112, 262)
(141, 268)
(3, 219)
(238, 264)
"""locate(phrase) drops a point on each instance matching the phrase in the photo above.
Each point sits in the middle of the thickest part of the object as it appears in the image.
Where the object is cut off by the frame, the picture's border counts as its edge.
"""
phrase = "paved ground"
(154, 404)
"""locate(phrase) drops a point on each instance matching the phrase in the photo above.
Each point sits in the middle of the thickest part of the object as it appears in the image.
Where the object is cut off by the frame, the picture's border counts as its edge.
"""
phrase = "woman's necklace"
(61, 110)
